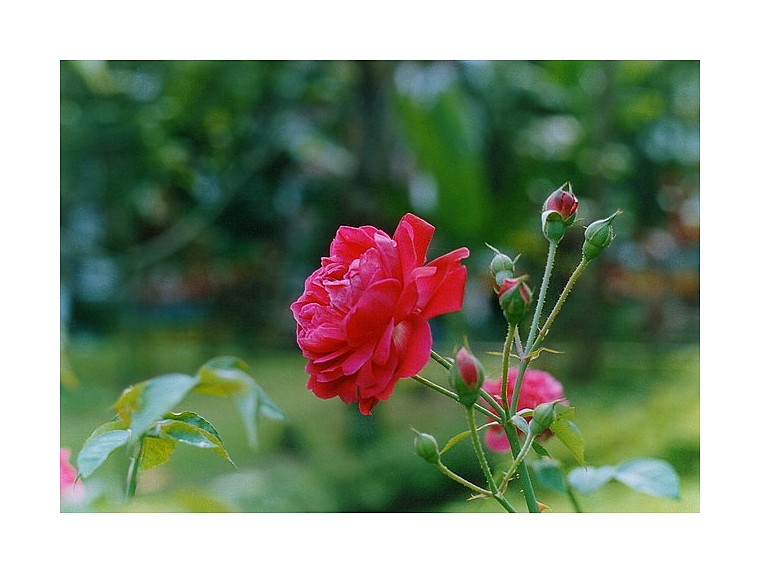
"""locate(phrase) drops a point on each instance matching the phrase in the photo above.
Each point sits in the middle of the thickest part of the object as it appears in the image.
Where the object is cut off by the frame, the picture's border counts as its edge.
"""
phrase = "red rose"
(537, 387)
(362, 318)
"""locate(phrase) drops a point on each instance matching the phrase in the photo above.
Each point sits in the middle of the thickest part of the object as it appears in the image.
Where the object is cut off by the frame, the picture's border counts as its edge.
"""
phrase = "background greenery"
(196, 196)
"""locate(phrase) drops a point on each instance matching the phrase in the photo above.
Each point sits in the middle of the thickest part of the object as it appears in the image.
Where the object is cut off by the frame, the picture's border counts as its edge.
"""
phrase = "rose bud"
(466, 376)
(543, 417)
(514, 298)
(426, 447)
(502, 267)
(558, 213)
(599, 235)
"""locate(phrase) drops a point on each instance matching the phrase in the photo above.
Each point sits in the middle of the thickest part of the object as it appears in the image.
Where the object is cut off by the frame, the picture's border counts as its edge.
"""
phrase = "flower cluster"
(538, 387)
(362, 320)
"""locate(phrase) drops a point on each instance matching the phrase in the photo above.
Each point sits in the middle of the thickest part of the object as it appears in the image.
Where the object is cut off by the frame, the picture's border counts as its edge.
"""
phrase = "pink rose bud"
(466, 376)
(559, 212)
(514, 298)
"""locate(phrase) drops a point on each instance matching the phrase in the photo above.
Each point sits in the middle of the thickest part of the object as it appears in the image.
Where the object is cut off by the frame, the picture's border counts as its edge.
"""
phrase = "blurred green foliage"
(196, 196)
(200, 191)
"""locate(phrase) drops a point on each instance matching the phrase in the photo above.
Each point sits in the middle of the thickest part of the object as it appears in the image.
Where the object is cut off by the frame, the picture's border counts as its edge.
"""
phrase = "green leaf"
(548, 474)
(230, 376)
(251, 405)
(649, 475)
(569, 434)
(462, 435)
(267, 407)
(564, 412)
(454, 441)
(539, 449)
(147, 402)
(98, 447)
(224, 376)
(191, 429)
(585, 480)
(520, 423)
(155, 451)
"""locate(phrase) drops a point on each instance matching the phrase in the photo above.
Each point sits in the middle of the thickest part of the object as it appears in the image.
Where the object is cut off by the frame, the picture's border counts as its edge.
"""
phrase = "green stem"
(134, 467)
(523, 478)
(484, 463)
(448, 393)
(518, 460)
(573, 500)
(534, 325)
(498, 408)
(566, 291)
(505, 370)
(440, 360)
(459, 479)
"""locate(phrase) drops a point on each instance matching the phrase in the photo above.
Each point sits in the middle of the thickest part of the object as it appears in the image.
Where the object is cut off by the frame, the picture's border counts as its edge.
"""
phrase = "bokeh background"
(196, 196)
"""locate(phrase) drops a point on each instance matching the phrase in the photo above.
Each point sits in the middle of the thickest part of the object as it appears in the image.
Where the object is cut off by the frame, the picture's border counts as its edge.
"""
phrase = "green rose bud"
(599, 235)
(543, 417)
(502, 267)
(426, 447)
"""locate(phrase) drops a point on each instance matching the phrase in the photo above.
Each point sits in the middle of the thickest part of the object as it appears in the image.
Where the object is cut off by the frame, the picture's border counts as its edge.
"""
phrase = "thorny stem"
(440, 360)
(523, 477)
(448, 393)
(534, 325)
(484, 463)
(566, 291)
(459, 479)
(505, 369)
(518, 460)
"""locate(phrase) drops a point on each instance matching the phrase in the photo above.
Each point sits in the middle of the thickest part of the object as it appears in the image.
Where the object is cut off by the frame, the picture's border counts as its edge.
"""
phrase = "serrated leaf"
(192, 434)
(98, 447)
(251, 405)
(155, 451)
(147, 402)
(564, 412)
(649, 475)
(548, 474)
(569, 434)
(224, 376)
(585, 480)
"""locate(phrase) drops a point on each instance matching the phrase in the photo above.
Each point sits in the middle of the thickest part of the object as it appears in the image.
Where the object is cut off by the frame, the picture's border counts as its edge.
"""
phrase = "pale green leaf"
(585, 480)
(98, 447)
(156, 397)
(649, 475)
(548, 474)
